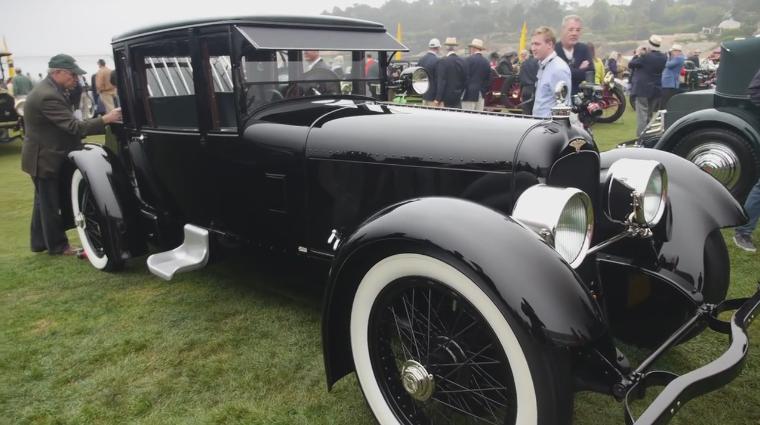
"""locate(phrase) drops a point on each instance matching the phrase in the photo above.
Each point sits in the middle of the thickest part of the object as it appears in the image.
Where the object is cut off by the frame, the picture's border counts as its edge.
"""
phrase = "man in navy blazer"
(647, 81)
(429, 62)
(451, 75)
(478, 77)
(572, 51)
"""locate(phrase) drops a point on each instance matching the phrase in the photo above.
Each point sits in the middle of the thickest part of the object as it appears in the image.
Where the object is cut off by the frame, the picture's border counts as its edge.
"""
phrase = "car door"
(252, 173)
(166, 144)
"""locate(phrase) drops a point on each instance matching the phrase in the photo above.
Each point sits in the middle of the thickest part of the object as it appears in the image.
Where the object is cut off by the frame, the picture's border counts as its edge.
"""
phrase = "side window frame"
(138, 54)
(208, 94)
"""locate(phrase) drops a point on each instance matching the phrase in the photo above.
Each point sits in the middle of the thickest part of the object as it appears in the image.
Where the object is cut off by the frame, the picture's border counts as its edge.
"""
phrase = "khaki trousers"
(474, 106)
(109, 100)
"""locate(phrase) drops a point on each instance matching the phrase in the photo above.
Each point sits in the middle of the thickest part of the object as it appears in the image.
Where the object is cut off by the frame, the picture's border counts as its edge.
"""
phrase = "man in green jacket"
(21, 84)
(52, 132)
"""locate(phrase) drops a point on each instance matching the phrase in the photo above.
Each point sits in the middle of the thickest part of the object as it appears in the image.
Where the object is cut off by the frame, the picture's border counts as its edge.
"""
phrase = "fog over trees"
(499, 22)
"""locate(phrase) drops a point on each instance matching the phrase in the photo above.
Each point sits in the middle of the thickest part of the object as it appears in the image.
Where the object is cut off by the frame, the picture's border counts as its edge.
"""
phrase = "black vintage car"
(11, 117)
(480, 267)
(717, 129)
(11, 110)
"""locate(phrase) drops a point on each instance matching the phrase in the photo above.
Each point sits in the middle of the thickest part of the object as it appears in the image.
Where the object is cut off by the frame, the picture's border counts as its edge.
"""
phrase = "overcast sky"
(79, 27)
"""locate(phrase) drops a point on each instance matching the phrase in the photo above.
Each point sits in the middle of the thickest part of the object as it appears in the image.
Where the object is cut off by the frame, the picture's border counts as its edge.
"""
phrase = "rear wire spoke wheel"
(614, 106)
(431, 347)
(91, 228)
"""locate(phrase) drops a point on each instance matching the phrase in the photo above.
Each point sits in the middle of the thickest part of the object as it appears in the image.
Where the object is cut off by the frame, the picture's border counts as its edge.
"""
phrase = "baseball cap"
(63, 61)
(434, 42)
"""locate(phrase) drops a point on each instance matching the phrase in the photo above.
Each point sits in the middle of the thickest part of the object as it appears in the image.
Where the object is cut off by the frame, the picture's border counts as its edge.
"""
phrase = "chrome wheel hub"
(417, 381)
(718, 160)
(79, 220)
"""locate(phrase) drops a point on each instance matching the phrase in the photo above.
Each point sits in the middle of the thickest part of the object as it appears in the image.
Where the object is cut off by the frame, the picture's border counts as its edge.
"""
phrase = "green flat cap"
(63, 61)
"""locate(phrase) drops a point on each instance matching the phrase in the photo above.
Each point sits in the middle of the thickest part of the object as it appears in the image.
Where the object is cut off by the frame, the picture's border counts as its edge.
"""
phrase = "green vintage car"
(717, 129)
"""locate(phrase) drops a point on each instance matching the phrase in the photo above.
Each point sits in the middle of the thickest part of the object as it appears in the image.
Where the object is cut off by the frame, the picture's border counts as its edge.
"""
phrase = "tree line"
(499, 21)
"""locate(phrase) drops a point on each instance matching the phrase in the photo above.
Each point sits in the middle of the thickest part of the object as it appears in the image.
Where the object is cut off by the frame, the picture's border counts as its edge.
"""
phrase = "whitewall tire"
(90, 228)
(386, 294)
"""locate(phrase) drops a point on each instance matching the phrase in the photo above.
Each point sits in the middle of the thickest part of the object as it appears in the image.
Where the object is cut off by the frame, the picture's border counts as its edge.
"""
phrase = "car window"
(220, 68)
(169, 76)
(220, 86)
(273, 75)
(169, 95)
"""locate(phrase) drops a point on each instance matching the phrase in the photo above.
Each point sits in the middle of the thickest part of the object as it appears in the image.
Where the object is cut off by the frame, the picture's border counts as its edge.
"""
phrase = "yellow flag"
(523, 39)
(4, 51)
(400, 38)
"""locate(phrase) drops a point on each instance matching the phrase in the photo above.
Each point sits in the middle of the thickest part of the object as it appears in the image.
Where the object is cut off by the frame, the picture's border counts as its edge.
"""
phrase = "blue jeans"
(752, 206)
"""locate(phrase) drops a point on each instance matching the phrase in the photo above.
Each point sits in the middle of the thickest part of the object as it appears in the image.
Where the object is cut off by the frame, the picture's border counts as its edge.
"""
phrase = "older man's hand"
(113, 116)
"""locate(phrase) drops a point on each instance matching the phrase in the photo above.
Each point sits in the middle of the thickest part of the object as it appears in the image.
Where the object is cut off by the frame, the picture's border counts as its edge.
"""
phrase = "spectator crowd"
(94, 98)
(651, 75)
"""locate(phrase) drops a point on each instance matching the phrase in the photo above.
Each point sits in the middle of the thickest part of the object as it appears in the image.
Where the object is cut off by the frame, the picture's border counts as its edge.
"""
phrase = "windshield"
(273, 75)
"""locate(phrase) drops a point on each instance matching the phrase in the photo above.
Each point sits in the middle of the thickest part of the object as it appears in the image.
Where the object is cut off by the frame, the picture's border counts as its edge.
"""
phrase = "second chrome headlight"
(637, 190)
(563, 217)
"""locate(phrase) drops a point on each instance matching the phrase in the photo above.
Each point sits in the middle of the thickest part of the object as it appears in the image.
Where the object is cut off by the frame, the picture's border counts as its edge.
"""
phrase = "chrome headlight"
(20, 107)
(420, 81)
(416, 79)
(637, 190)
(562, 217)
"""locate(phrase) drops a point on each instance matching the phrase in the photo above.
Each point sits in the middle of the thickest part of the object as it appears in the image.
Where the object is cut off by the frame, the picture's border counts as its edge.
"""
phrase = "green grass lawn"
(237, 342)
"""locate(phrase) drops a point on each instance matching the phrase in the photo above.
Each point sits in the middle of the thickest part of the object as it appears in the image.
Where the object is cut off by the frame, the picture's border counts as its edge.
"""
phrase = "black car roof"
(284, 21)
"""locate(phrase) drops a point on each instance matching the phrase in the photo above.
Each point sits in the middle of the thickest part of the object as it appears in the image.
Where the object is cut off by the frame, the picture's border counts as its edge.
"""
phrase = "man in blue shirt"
(671, 75)
(551, 70)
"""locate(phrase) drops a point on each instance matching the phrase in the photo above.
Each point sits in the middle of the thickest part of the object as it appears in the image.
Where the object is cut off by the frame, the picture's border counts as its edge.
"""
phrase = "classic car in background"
(11, 110)
(505, 95)
(11, 117)
(480, 268)
(717, 129)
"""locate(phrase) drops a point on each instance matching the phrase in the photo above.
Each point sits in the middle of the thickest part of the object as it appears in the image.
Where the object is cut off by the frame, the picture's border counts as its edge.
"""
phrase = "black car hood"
(395, 134)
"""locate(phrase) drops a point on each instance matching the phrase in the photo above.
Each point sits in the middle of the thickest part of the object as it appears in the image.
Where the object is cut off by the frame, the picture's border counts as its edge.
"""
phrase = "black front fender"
(114, 198)
(535, 286)
(699, 204)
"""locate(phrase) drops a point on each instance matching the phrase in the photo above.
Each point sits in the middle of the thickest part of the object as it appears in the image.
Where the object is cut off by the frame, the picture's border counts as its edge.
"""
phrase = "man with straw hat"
(478, 77)
(646, 81)
(451, 77)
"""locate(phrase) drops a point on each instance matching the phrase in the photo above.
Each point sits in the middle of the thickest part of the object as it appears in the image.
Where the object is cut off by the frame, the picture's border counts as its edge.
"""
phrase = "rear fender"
(738, 122)
(114, 198)
(529, 280)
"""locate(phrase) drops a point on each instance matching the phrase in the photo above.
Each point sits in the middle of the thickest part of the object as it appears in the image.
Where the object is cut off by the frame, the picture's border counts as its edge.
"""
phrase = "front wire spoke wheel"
(430, 347)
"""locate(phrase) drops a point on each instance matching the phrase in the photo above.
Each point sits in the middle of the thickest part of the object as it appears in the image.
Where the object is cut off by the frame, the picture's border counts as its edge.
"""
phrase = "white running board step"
(191, 255)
